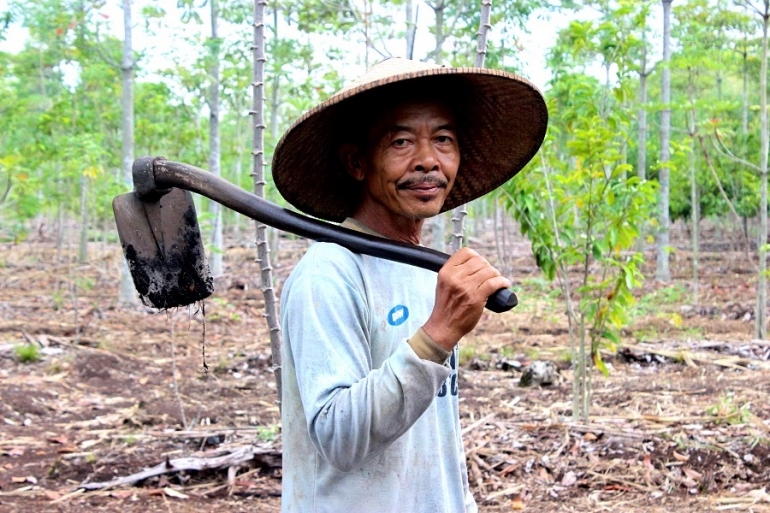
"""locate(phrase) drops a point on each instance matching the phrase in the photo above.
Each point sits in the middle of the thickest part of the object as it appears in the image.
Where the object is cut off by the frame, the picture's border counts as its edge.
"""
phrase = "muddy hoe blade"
(158, 230)
(163, 248)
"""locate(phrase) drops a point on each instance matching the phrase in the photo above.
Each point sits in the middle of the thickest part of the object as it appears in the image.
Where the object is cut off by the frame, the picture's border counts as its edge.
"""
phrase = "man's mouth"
(426, 184)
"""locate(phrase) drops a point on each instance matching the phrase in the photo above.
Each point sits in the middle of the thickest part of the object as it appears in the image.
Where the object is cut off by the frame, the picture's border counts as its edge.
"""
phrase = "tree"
(662, 272)
(579, 209)
(126, 290)
(459, 213)
(760, 329)
(263, 249)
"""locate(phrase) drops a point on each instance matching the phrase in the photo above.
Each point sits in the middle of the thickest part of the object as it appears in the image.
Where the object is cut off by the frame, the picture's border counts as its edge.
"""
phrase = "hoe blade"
(163, 248)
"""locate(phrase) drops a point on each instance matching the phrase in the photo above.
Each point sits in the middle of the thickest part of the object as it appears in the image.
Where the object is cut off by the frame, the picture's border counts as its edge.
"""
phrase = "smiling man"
(370, 394)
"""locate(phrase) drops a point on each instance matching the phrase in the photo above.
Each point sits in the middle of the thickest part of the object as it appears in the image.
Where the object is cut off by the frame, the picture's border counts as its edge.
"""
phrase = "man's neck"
(396, 228)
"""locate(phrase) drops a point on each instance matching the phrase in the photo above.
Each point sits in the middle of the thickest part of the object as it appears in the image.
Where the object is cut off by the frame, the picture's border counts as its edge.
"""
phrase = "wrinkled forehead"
(411, 115)
(375, 109)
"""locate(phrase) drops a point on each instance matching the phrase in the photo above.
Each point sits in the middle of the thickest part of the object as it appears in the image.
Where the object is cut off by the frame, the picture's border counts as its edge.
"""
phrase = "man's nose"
(425, 157)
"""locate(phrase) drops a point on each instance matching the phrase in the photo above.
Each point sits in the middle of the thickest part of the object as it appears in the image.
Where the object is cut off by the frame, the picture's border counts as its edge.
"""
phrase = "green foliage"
(728, 410)
(467, 353)
(27, 353)
(655, 301)
(268, 433)
(579, 207)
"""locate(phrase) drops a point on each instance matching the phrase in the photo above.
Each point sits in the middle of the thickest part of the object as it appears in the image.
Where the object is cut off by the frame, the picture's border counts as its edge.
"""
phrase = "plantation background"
(636, 240)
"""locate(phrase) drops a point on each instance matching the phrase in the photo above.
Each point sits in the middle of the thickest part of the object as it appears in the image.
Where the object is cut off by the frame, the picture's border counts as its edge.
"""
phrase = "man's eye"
(399, 142)
(443, 139)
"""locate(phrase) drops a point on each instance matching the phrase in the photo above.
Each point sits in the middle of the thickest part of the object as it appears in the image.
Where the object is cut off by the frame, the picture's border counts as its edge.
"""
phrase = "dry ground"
(682, 422)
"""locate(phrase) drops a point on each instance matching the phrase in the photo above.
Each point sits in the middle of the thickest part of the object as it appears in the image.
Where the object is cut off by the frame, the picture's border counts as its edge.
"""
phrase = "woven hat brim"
(504, 121)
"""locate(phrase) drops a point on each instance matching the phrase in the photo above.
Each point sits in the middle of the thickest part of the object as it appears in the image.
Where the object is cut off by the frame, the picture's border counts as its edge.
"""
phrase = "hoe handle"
(154, 176)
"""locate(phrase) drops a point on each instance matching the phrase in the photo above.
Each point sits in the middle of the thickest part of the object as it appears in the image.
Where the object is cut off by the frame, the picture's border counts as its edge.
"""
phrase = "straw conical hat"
(501, 126)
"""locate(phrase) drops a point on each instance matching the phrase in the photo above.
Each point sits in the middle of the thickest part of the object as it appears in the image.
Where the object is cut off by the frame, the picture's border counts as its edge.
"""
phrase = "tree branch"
(106, 58)
(707, 156)
(725, 152)
(750, 5)
(7, 190)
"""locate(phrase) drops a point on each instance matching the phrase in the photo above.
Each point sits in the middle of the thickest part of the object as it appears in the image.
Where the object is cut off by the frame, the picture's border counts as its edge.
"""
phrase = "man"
(370, 406)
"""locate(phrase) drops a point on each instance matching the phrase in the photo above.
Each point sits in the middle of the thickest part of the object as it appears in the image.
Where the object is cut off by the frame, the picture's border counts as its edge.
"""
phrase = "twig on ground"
(239, 456)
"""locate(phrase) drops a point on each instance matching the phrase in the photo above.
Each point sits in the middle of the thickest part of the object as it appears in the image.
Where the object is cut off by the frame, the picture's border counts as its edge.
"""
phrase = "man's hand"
(464, 284)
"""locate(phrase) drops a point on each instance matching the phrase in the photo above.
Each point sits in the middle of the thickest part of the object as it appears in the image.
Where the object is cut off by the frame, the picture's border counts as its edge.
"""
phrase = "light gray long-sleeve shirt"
(368, 426)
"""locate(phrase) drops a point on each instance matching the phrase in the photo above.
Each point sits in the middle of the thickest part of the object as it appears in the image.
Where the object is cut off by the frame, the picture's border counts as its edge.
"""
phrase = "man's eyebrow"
(445, 126)
(404, 128)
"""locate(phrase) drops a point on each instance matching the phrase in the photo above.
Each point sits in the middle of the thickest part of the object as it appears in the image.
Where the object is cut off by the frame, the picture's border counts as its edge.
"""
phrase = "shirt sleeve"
(353, 411)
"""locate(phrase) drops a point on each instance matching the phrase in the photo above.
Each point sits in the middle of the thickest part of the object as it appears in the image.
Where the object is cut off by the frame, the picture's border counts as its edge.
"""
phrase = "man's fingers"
(493, 284)
(462, 256)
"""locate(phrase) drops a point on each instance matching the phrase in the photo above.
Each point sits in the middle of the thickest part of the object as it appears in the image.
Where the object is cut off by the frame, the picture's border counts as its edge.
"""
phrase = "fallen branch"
(733, 362)
(238, 456)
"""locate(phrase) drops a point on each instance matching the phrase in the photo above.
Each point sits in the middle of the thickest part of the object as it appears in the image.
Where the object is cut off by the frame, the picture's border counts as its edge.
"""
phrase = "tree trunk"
(411, 27)
(263, 249)
(438, 223)
(83, 246)
(276, 85)
(695, 217)
(760, 330)
(641, 152)
(694, 200)
(439, 30)
(126, 291)
(662, 271)
(745, 110)
(239, 148)
(367, 22)
(460, 213)
(215, 152)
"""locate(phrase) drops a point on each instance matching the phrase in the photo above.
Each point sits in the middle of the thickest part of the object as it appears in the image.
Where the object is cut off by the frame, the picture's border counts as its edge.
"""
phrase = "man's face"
(411, 161)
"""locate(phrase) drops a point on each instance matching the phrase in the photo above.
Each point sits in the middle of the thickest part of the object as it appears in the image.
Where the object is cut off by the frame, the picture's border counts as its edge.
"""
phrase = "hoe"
(158, 230)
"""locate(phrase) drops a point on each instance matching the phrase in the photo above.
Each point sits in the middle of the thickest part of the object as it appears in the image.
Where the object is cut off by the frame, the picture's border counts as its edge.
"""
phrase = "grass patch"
(268, 433)
(728, 410)
(466, 354)
(651, 303)
(27, 353)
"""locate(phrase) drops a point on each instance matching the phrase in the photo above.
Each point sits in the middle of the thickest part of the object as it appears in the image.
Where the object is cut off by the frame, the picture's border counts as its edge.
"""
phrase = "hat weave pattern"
(502, 124)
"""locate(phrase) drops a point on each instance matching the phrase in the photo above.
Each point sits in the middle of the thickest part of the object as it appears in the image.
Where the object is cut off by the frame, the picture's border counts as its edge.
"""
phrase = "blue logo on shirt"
(398, 315)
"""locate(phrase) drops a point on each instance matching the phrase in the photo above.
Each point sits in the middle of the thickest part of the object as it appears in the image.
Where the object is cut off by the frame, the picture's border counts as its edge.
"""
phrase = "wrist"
(442, 336)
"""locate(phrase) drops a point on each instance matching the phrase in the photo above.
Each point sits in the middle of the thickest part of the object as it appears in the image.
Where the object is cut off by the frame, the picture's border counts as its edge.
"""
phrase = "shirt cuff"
(427, 349)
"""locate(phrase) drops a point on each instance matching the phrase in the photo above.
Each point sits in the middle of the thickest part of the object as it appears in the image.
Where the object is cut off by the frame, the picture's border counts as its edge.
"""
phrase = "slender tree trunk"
(276, 85)
(438, 223)
(438, 9)
(745, 96)
(240, 147)
(641, 152)
(215, 152)
(694, 199)
(367, 28)
(662, 272)
(83, 246)
(411, 27)
(460, 213)
(760, 330)
(126, 292)
(60, 231)
(695, 218)
(263, 250)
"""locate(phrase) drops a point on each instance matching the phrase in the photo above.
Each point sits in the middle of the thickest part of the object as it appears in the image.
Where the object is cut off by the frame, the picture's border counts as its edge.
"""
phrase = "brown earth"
(681, 423)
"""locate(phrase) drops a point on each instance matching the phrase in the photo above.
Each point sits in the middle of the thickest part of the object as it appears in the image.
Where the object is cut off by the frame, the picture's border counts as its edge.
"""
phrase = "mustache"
(420, 180)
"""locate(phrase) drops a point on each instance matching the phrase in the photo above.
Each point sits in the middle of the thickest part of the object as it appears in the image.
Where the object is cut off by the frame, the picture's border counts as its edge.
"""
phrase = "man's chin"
(426, 212)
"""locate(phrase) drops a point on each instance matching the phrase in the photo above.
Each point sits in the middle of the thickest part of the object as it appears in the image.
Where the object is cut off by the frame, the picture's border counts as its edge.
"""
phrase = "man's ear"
(351, 158)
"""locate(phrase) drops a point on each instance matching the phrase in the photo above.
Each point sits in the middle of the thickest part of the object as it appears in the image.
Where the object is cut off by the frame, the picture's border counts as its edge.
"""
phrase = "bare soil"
(682, 422)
